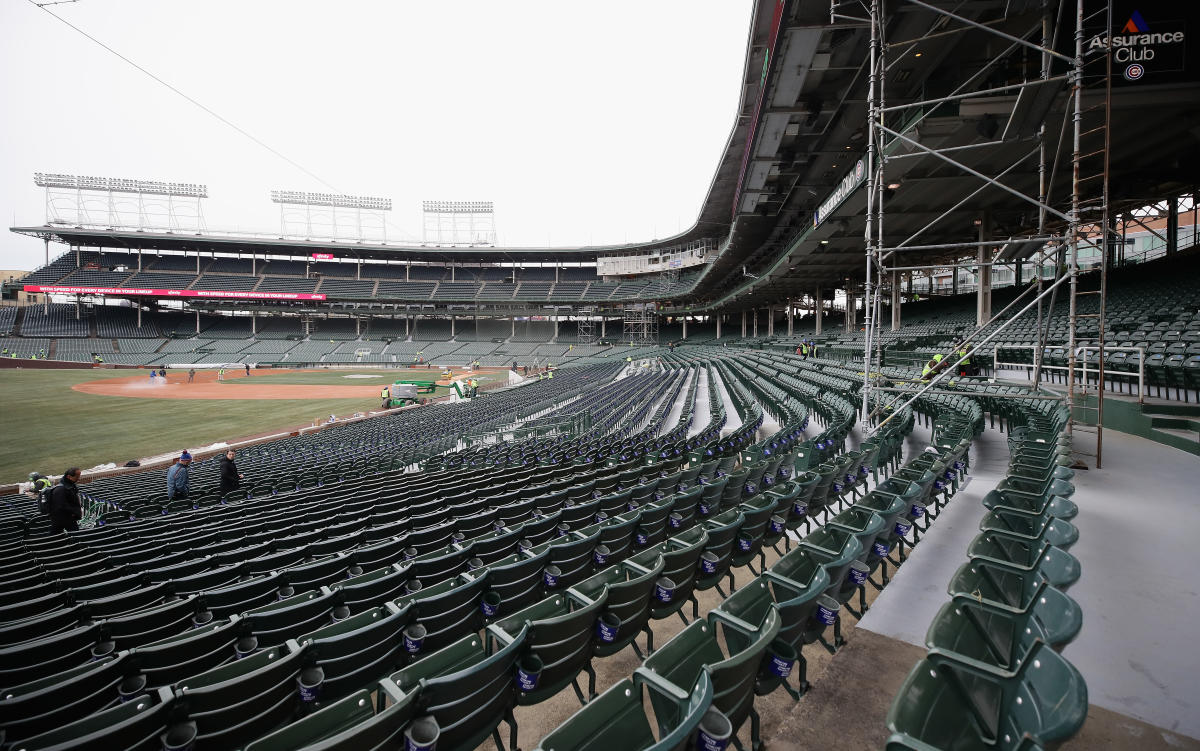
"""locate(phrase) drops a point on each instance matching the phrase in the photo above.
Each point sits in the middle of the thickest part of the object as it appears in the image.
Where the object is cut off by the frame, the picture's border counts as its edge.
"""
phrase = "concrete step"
(1174, 423)
(1171, 410)
(1185, 440)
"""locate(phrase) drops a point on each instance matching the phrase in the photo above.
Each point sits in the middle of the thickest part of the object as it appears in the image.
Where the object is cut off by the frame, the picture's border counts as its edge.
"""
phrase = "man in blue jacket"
(177, 478)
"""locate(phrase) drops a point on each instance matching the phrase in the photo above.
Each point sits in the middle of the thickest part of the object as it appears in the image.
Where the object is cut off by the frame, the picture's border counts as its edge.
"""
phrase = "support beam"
(719, 317)
(139, 314)
(895, 301)
(603, 331)
(756, 323)
(743, 324)
(791, 312)
(452, 317)
(685, 328)
(253, 323)
(983, 294)
(770, 321)
(197, 322)
(819, 311)
(1172, 225)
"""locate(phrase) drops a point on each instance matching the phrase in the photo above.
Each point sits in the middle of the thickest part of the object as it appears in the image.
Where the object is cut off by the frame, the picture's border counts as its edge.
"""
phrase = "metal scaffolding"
(586, 324)
(1062, 225)
(640, 324)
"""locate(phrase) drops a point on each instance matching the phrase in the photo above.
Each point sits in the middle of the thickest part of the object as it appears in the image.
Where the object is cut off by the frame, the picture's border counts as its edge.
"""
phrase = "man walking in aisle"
(64, 507)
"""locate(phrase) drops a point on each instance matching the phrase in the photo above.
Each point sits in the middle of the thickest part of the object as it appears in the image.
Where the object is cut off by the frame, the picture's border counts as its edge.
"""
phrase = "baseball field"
(53, 419)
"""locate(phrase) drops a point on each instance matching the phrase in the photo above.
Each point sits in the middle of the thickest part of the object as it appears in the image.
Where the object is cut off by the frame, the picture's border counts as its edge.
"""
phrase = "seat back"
(350, 724)
(448, 611)
(559, 632)
(617, 719)
(360, 593)
(681, 557)
(357, 651)
(466, 690)
(518, 580)
(286, 619)
(629, 593)
(243, 700)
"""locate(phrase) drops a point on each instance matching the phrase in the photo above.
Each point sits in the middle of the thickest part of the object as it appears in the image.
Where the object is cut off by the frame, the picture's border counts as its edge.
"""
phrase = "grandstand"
(877, 454)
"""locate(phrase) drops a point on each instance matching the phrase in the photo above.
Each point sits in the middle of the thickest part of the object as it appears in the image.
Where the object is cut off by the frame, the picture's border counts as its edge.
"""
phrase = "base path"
(206, 386)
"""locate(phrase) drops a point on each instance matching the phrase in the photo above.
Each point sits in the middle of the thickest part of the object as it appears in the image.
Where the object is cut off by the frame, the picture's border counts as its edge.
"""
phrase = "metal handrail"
(1080, 350)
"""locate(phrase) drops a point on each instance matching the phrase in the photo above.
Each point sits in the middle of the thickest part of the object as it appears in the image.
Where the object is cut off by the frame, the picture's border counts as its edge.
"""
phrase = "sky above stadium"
(584, 123)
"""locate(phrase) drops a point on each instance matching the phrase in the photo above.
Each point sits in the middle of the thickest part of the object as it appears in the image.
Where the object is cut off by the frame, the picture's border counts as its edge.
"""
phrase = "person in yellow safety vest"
(550, 375)
(964, 367)
(386, 395)
(931, 367)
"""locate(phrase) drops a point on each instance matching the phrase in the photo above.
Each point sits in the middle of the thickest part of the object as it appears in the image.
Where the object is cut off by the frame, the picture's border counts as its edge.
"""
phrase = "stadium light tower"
(332, 211)
(113, 202)
(459, 223)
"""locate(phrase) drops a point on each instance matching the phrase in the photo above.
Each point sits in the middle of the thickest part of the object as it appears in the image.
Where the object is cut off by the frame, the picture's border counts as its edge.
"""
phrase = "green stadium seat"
(1060, 568)
(558, 631)
(353, 723)
(133, 724)
(696, 651)
(626, 590)
(617, 718)
(1024, 593)
(466, 689)
(356, 651)
(949, 705)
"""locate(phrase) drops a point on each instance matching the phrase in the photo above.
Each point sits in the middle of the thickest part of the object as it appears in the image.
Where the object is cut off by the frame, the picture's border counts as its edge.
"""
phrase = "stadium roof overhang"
(777, 250)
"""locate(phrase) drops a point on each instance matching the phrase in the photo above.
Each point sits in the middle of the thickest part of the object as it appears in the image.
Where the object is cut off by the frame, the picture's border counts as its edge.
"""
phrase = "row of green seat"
(992, 676)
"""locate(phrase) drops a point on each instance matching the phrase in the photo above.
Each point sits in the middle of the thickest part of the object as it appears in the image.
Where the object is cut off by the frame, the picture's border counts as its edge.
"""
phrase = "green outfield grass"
(45, 426)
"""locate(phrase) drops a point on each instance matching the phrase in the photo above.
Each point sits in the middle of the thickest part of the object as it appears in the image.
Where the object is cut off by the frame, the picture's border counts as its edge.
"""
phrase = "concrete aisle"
(701, 416)
(733, 420)
(1138, 519)
(673, 415)
(906, 607)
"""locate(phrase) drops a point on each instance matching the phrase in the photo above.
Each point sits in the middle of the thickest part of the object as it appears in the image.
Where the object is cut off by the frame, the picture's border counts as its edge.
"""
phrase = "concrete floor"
(1138, 519)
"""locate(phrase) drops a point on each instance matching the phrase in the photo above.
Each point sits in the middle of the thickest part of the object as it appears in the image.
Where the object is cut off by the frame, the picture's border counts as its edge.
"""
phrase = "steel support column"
(895, 301)
(983, 293)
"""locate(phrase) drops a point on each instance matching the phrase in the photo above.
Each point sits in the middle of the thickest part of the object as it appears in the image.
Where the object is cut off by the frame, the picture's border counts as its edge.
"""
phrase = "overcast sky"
(583, 122)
